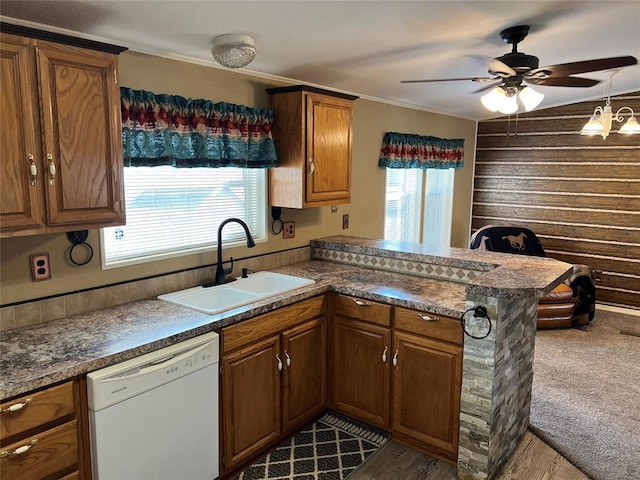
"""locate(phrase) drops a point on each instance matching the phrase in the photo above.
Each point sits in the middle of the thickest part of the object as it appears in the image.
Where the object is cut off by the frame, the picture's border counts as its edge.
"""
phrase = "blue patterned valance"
(406, 150)
(183, 132)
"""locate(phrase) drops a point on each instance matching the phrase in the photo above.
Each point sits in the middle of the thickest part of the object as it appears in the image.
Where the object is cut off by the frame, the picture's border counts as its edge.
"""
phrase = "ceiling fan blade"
(563, 81)
(495, 66)
(501, 69)
(488, 87)
(572, 68)
(473, 79)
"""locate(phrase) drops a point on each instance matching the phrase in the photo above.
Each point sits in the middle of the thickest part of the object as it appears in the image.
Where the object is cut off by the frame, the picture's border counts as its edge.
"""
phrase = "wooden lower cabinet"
(398, 369)
(361, 370)
(43, 434)
(273, 379)
(426, 393)
(251, 399)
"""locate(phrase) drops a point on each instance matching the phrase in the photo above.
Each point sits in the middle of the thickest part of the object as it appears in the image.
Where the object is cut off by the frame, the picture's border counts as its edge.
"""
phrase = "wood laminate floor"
(533, 459)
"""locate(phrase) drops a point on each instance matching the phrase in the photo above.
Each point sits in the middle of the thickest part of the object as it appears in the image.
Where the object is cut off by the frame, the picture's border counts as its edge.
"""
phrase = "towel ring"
(79, 237)
(478, 312)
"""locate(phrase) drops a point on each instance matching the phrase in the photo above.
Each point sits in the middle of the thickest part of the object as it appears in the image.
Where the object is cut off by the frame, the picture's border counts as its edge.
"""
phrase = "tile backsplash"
(73, 303)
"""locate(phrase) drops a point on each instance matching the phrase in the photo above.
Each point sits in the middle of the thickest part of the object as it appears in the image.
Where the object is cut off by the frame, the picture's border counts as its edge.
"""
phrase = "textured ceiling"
(365, 47)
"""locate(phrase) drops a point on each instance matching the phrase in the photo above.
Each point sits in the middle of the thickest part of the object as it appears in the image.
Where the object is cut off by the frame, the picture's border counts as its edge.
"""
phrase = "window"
(418, 205)
(176, 211)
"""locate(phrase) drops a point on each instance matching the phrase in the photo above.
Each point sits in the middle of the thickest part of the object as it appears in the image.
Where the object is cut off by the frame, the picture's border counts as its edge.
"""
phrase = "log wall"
(580, 194)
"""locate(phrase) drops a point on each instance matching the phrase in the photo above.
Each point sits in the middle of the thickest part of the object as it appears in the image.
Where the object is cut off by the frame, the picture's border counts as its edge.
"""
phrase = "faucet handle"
(227, 271)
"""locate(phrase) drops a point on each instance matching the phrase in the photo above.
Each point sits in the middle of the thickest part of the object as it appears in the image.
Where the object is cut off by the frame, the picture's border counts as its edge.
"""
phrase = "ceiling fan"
(510, 70)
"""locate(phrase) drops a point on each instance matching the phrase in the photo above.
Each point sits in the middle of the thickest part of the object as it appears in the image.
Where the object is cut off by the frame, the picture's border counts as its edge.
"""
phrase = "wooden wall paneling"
(580, 194)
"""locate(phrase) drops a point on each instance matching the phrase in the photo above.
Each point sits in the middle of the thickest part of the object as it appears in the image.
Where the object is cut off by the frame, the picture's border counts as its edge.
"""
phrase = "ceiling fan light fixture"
(494, 99)
(233, 50)
(530, 98)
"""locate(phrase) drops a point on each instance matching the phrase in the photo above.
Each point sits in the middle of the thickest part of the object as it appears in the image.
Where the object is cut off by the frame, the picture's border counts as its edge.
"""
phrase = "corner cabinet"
(312, 132)
(44, 434)
(399, 369)
(273, 378)
(61, 143)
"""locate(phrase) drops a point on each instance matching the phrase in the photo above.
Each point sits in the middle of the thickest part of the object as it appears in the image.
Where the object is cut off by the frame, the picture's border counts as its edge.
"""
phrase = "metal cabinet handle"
(52, 169)
(395, 359)
(312, 167)
(427, 318)
(20, 450)
(279, 362)
(33, 169)
(361, 303)
(384, 355)
(286, 354)
(16, 406)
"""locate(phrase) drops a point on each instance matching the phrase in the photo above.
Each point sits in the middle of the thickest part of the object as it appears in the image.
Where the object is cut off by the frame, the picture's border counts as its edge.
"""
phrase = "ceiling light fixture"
(600, 121)
(504, 99)
(233, 50)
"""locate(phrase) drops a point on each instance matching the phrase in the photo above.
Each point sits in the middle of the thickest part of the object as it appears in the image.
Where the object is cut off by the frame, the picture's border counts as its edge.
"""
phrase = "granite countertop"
(47, 353)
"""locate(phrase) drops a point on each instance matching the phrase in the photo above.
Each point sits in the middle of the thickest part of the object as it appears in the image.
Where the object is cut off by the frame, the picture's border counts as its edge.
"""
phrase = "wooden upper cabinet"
(312, 131)
(20, 157)
(61, 108)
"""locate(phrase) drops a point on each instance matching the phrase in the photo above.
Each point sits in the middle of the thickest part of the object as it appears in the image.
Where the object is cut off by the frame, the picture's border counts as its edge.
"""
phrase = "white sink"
(270, 283)
(243, 291)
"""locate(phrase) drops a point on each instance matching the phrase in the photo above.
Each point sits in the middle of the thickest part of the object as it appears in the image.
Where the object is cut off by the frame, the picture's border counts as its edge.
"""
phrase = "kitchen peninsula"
(497, 370)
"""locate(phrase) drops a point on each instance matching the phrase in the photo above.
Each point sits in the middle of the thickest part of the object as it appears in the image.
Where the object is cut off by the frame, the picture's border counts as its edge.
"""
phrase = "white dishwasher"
(155, 416)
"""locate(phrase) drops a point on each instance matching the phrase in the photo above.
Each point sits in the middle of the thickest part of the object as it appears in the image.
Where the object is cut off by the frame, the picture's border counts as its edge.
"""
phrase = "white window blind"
(177, 211)
(436, 222)
(418, 205)
(403, 204)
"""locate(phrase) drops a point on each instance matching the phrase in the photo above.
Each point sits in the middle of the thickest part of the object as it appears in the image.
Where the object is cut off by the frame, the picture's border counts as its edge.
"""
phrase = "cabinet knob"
(395, 359)
(20, 450)
(16, 406)
(279, 362)
(360, 303)
(52, 169)
(384, 354)
(312, 167)
(33, 169)
(427, 317)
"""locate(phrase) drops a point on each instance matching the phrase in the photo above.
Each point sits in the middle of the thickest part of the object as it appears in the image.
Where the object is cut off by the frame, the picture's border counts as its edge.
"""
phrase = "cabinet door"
(251, 406)
(426, 400)
(329, 131)
(305, 372)
(361, 373)
(81, 133)
(19, 136)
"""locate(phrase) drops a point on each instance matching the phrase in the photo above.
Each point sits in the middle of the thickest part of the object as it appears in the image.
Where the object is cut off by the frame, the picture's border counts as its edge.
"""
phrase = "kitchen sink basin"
(243, 291)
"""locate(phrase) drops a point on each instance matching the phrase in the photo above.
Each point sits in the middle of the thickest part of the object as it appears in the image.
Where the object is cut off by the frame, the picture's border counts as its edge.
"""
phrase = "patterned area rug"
(331, 448)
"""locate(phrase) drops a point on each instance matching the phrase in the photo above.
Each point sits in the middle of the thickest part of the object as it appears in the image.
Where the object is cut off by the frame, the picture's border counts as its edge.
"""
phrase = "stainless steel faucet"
(221, 272)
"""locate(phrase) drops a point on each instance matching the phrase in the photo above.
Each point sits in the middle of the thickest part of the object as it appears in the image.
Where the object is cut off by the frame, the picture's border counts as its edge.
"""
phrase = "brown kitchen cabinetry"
(361, 358)
(312, 131)
(42, 435)
(427, 378)
(399, 369)
(273, 378)
(61, 144)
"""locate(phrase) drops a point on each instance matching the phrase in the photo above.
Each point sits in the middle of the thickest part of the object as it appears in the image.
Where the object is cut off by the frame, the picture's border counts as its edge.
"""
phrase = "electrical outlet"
(288, 229)
(40, 268)
(345, 221)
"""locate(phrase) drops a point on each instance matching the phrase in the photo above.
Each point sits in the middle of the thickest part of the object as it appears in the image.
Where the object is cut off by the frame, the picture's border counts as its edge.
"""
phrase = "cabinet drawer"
(41, 407)
(250, 331)
(429, 325)
(366, 310)
(54, 450)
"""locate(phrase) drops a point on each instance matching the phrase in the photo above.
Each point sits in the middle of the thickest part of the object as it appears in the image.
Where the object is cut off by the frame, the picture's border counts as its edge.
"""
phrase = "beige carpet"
(586, 395)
